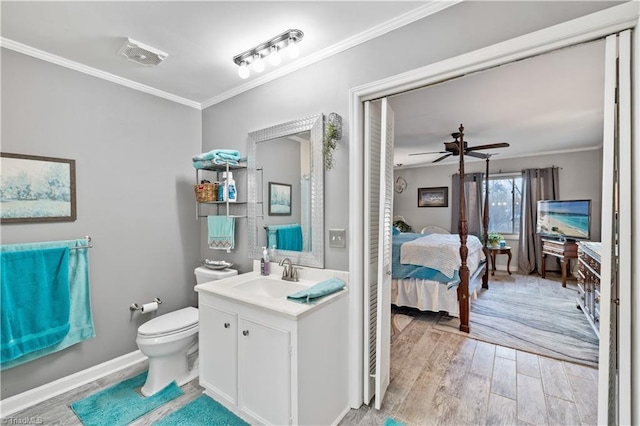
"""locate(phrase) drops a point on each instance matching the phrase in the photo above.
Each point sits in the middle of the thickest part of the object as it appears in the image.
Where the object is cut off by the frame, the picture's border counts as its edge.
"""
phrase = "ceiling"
(546, 104)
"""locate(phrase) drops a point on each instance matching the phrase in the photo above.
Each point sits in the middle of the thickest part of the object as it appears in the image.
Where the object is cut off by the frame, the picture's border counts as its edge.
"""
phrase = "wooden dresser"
(589, 282)
(564, 251)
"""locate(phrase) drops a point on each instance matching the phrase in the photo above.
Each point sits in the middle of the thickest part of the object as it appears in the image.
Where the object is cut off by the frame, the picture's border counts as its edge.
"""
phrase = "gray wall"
(580, 178)
(134, 198)
(323, 88)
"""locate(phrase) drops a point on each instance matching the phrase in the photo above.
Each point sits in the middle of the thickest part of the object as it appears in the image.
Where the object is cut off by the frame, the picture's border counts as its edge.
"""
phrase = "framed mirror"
(285, 185)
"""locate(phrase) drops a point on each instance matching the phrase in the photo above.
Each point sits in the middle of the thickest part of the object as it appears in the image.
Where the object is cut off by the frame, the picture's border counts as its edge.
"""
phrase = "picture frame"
(279, 199)
(433, 197)
(37, 189)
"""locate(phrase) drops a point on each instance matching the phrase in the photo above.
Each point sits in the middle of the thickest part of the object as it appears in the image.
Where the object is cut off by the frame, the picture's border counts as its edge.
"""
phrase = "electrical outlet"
(337, 238)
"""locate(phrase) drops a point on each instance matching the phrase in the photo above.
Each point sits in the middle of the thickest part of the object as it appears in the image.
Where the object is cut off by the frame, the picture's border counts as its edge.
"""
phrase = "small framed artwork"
(433, 197)
(279, 199)
(37, 189)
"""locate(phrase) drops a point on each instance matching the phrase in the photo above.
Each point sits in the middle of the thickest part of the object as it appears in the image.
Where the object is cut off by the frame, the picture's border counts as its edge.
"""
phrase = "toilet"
(168, 339)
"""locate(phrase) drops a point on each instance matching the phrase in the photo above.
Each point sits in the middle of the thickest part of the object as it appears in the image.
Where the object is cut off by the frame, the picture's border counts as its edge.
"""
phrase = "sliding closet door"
(614, 390)
(383, 320)
(372, 141)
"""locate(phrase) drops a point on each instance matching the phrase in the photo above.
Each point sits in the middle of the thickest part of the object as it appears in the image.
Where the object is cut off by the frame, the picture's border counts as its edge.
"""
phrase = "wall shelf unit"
(227, 208)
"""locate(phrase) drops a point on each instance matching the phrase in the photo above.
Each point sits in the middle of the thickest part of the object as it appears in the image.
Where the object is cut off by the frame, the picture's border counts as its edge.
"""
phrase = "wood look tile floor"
(437, 378)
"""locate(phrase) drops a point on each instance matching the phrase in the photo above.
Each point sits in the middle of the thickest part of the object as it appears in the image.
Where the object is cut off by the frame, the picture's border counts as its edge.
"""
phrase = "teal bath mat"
(390, 421)
(122, 403)
(201, 411)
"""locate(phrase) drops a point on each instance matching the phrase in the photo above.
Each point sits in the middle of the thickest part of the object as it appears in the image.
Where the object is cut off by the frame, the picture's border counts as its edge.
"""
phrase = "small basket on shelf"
(206, 192)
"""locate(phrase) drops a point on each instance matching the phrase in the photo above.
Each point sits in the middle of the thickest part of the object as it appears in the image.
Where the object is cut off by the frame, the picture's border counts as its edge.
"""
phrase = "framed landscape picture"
(433, 197)
(37, 189)
(279, 199)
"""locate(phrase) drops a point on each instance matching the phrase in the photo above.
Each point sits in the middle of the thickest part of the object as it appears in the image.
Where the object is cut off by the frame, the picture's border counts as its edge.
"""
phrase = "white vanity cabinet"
(271, 368)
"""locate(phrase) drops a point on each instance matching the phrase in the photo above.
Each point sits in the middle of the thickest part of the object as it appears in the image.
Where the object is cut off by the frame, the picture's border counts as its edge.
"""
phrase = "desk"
(564, 251)
(493, 251)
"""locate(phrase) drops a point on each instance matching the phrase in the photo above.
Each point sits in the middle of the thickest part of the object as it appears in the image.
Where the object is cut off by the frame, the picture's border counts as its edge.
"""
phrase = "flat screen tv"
(564, 219)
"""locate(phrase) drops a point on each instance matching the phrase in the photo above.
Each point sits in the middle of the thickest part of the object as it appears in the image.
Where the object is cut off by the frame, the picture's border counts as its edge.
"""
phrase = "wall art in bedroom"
(37, 189)
(433, 197)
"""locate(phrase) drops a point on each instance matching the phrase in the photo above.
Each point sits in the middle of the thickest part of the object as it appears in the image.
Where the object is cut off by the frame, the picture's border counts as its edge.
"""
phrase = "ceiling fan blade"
(477, 155)
(425, 153)
(489, 146)
(441, 158)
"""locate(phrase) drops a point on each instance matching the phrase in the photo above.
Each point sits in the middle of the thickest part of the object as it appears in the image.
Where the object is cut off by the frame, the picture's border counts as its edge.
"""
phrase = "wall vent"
(141, 53)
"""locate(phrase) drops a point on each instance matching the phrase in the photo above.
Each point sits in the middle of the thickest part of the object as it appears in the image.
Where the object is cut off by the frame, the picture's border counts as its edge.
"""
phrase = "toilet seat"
(171, 323)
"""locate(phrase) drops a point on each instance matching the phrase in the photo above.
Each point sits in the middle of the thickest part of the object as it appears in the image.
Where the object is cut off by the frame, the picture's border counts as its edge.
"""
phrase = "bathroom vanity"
(271, 360)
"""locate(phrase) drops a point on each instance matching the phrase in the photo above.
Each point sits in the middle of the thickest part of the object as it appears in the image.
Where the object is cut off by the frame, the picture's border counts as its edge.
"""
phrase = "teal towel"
(80, 318)
(221, 232)
(315, 292)
(35, 300)
(290, 238)
(205, 164)
(272, 237)
(221, 154)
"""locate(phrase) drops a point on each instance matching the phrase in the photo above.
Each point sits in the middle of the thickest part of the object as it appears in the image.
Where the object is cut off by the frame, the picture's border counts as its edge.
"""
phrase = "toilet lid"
(172, 322)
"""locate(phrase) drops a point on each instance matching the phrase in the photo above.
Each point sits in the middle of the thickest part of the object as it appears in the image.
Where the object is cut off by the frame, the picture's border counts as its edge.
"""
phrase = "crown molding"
(377, 31)
(67, 63)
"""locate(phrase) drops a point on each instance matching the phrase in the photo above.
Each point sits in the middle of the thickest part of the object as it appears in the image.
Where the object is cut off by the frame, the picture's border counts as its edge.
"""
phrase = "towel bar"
(89, 245)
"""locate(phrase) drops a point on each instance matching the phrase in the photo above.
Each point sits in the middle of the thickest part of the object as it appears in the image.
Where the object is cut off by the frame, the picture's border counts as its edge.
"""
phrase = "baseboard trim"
(65, 384)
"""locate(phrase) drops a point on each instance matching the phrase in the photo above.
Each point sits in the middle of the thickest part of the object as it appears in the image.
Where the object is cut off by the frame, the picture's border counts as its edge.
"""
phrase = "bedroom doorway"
(527, 46)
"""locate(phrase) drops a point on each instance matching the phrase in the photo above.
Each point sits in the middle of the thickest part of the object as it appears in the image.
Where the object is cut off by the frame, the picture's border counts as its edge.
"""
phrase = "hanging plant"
(332, 133)
(329, 145)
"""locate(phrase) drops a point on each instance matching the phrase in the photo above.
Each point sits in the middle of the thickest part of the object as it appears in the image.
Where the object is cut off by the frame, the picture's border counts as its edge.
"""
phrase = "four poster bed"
(439, 272)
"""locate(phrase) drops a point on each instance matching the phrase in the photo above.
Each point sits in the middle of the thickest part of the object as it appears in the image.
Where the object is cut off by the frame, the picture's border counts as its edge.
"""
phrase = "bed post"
(485, 226)
(463, 231)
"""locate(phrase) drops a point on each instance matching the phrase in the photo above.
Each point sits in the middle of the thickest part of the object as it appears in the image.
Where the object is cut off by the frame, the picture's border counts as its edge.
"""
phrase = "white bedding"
(441, 252)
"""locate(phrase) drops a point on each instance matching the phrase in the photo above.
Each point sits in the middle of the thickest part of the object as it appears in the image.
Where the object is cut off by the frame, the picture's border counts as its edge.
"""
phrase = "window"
(505, 193)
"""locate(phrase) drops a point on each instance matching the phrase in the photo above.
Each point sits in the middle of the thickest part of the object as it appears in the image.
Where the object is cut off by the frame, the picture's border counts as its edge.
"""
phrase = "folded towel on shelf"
(221, 232)
(205, 164)
(80, 318)
(317, 291)
(221, 154)
(35, 300)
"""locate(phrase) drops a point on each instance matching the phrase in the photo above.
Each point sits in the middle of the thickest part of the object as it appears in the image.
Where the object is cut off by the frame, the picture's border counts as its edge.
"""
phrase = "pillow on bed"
(395, 231)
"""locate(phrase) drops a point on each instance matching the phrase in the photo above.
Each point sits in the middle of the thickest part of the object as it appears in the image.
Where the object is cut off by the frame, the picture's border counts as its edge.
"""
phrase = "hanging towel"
(272, 237)
(35, 300)
(317, 291)
(221, 232)
(290, 237)
(80, 318)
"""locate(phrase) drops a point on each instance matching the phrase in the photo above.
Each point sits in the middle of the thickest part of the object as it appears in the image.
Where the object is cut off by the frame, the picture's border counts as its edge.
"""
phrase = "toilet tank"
(204, 274)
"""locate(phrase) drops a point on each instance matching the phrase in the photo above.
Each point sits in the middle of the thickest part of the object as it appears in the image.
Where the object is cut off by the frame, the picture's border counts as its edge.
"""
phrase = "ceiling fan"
(452, 148)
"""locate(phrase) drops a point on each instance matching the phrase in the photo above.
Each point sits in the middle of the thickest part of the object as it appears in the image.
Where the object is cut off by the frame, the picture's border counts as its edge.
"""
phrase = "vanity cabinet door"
(218, 351)
(264, 372)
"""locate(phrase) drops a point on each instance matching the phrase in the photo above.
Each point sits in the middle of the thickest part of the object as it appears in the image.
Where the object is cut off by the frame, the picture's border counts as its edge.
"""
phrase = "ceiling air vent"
(142, 54)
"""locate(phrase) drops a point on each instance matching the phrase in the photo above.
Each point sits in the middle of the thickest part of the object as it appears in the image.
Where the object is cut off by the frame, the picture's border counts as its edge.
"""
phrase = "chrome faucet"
(289, 272)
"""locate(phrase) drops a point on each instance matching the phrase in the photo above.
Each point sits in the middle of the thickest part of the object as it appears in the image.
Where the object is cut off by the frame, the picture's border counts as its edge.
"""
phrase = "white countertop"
(226, 288)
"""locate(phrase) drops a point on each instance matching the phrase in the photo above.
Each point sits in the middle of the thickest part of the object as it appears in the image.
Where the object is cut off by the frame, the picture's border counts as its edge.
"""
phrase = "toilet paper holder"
(136, 307)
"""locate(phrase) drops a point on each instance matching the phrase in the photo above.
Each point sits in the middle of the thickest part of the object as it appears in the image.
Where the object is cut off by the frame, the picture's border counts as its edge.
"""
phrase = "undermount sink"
(268, 287)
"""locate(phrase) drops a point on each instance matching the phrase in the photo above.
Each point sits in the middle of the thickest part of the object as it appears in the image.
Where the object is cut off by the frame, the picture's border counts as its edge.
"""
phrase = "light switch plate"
(337, 238)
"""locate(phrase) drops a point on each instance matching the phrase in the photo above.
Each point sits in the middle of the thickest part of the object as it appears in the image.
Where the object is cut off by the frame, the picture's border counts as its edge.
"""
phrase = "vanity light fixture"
(287, 41)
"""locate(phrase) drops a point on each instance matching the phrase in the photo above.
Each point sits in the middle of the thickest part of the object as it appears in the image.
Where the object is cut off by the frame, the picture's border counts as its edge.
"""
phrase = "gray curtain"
(473, 183)
(537, 184)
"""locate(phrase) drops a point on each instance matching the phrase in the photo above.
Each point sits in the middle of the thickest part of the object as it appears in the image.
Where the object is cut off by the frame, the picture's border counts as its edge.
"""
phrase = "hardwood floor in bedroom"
(440, 378)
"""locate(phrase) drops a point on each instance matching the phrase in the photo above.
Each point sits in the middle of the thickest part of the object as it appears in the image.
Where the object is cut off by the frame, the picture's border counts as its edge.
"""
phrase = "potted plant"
(494, 239)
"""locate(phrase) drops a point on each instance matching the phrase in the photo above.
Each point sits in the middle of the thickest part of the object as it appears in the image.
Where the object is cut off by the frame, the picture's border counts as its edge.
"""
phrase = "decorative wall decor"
(37, 189)
(433, 197)
(279, 199)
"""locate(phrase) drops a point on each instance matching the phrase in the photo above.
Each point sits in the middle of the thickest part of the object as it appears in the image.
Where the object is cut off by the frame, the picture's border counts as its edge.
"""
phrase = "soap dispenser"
(265, 267)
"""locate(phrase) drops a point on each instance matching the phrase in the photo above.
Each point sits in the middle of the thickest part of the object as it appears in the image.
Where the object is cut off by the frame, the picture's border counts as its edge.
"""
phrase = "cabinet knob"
(245, 332)
(227, 325)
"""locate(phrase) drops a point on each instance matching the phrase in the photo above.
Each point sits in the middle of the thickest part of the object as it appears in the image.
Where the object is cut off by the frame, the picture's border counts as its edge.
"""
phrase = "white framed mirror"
(285, 185)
